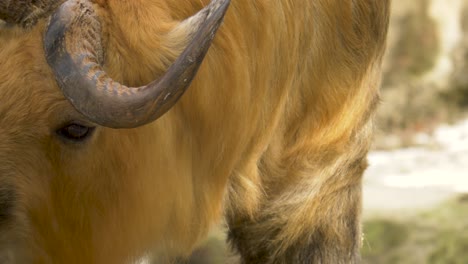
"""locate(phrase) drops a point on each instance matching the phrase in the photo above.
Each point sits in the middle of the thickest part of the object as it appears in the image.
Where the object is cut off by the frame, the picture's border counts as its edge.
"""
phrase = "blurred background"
(416, 188)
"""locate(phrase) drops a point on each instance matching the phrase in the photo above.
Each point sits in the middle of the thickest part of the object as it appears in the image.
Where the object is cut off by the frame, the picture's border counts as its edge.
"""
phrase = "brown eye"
(75, 132)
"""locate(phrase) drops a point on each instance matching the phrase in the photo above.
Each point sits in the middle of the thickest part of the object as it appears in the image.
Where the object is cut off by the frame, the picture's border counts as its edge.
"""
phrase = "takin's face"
(64, 181)
(42, 151)
(64, 176)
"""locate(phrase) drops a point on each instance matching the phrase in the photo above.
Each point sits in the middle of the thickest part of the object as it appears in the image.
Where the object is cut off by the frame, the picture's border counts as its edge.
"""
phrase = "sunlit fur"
(272, 133)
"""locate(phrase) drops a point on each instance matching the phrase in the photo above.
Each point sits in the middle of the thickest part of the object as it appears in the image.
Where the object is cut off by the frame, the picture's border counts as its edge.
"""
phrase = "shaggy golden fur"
(273, 132)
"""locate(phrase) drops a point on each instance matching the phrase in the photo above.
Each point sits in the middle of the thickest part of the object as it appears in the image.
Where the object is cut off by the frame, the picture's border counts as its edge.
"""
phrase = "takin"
(106, 156)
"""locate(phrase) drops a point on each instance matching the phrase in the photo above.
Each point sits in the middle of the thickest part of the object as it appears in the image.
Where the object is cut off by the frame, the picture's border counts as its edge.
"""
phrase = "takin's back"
(273, 131)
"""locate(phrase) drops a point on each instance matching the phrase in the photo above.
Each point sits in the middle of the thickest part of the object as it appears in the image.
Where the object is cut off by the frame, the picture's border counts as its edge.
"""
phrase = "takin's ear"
(26, 13)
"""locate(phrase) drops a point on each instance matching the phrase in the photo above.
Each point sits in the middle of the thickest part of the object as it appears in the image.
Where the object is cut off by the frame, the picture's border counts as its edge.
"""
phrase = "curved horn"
(26, 12)
(74, 52)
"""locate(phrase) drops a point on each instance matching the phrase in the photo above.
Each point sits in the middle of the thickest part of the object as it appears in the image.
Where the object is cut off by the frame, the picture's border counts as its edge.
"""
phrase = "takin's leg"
(310, 215)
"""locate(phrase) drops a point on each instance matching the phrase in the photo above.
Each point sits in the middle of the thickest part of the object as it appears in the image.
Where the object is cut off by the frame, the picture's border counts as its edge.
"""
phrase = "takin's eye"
(75, 132)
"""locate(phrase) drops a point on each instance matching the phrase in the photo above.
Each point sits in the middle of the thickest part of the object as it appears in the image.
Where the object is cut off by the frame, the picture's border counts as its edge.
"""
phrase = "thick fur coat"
(272, 134)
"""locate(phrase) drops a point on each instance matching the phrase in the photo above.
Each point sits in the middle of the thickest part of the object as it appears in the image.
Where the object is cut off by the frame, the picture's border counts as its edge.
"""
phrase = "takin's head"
(58, 108)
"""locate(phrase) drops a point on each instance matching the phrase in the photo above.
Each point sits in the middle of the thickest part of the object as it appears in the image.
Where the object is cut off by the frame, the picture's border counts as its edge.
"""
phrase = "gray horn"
(74, 51)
